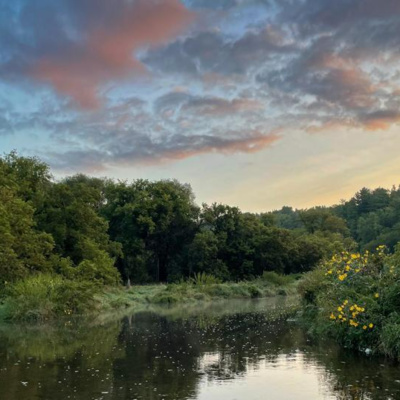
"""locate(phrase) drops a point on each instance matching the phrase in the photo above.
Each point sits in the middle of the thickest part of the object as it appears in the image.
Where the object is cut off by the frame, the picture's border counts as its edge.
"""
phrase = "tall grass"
(202, 278)
(41, 297)
(277, 279)
(204, 288)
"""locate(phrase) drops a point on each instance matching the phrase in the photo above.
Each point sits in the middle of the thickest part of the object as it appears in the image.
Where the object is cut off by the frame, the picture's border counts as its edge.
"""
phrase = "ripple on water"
(227, 350)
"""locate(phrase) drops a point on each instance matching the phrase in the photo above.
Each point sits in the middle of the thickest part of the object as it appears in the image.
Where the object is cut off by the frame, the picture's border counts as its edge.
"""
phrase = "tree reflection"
(168, 353)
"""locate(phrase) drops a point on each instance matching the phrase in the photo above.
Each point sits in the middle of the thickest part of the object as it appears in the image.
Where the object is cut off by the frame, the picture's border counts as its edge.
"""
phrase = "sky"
(255, 103)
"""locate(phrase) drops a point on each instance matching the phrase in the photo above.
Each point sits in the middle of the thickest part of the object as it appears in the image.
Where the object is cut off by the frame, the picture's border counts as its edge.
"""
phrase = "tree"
(31, 176)
(322, 219)
(154, 222)
(203, 256)
(23, 249)
(70, 213)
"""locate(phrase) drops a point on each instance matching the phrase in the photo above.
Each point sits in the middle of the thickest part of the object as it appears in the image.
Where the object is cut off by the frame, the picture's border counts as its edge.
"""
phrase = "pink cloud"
(107, 52)
(381, 120)
(253, 142)
(344, 81)
(156, 153)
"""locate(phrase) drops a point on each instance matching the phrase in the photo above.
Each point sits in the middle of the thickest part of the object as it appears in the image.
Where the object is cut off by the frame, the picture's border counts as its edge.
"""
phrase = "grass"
(44, 297)
(190, 292)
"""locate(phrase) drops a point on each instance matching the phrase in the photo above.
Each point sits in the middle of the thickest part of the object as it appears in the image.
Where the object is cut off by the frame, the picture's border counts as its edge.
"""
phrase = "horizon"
(255, 103)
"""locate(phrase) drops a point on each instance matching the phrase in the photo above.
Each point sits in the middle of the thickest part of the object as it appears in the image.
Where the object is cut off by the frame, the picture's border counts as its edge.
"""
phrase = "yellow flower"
(345, 302)
(339, 308)
(332, 316)
(347, 268)
(340, 316)
(351, 308)
(371, 325)
(365, 327)
(330, 271)
(353, 323)
(376, 295)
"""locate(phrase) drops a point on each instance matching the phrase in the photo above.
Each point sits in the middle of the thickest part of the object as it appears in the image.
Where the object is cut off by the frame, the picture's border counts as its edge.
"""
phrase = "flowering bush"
(356, 299)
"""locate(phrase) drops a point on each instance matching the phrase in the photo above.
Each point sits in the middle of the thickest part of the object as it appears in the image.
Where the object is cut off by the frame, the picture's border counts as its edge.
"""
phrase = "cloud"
(132, 132)
(211, 52)
(134, 148)
(95, 42)
(325, 77)
(212, 106)
(381, 119)
(174, 103)
(213, 4)
(220, 75)
(332, 57)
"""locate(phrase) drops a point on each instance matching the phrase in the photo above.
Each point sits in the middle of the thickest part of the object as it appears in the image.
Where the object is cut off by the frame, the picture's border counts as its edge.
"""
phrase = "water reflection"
(231, 350)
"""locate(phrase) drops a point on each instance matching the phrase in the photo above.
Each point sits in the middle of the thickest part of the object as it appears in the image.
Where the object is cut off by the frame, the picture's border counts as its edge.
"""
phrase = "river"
(231, 350)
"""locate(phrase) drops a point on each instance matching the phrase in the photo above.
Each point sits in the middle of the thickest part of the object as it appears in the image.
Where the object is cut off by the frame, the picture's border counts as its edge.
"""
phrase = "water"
(243, 350)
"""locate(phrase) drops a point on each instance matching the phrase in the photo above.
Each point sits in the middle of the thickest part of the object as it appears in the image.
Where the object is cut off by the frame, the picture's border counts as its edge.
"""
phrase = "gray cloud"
(320, 57)
(224, 4)
(134, 148)
(211, 52)
(172, 104)
(132, 132)
(316, 64)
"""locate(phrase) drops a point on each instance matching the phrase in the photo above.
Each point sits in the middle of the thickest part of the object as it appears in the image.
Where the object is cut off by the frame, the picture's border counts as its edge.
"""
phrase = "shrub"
(240, 290)
(202, 278)
(391, 339)
(165, 298)
(99, 270)
(222, 290)
(311, 284)
(355, 298)
(254, 291)
(42, 296)
(276, 279)
(75, 296)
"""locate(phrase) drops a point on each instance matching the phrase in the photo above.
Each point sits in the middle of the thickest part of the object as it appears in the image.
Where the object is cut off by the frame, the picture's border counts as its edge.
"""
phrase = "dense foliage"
(356, 298)
(371, 217)
(104, 231)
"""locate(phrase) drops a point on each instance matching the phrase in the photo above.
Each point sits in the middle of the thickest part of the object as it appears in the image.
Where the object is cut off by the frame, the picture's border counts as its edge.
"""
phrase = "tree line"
(109, 231)
(371, 218)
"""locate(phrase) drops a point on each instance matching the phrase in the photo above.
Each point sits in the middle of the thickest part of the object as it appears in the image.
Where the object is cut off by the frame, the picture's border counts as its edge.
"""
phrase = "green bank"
(46, 297)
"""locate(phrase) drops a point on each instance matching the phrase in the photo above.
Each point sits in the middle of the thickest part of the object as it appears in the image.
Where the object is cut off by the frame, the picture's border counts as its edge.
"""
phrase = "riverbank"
(355, 299)
(186, 292)
(47, 297)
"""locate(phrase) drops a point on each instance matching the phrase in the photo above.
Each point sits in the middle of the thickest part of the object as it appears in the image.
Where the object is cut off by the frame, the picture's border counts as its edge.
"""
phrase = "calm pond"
(242, 350)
